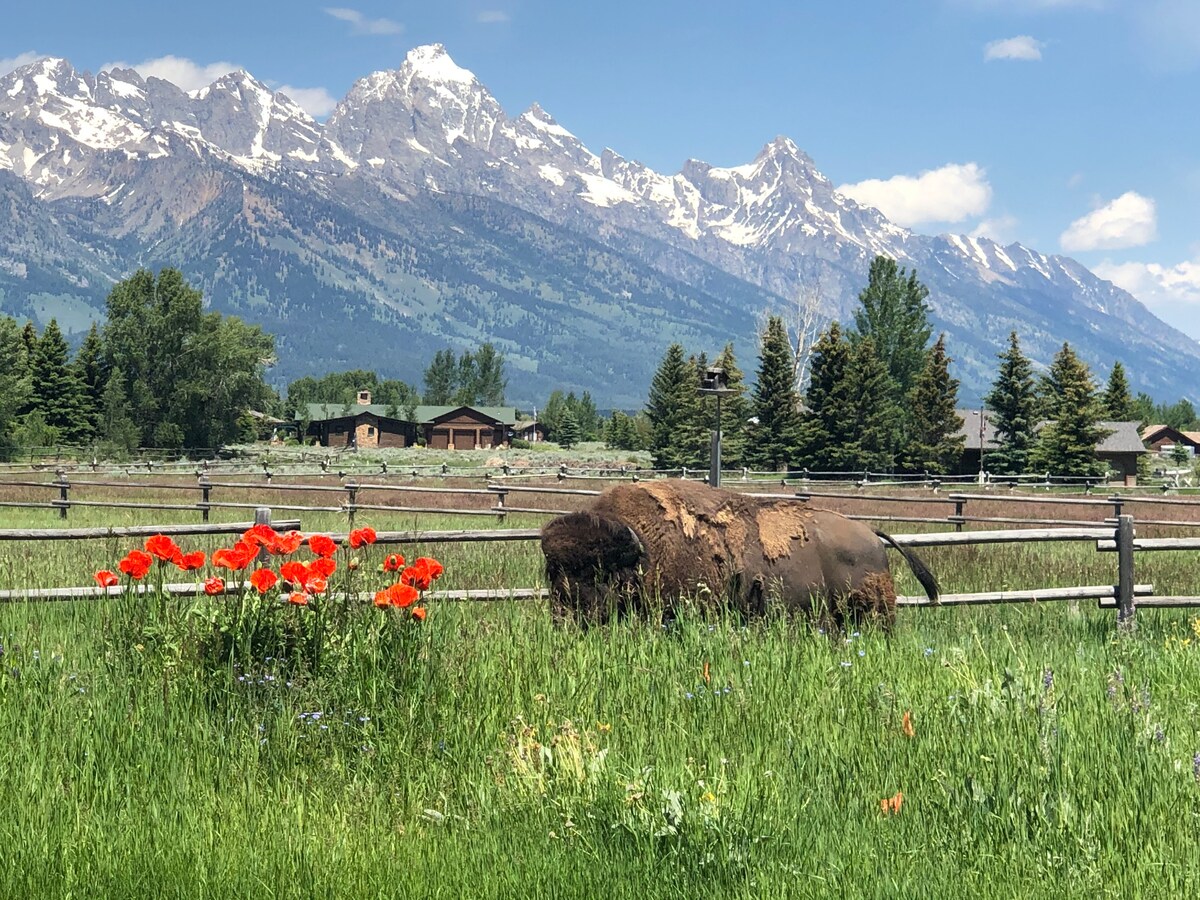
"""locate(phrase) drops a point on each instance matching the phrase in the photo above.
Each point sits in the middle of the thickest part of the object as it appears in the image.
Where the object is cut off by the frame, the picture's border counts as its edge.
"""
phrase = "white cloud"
(1171, 292)
(8, 63)
(317, 102)
(949, 194)
(1129, 221)
(360, 24)
(1022, 47)
(492, 17)
(1001, 229)
(178, 70)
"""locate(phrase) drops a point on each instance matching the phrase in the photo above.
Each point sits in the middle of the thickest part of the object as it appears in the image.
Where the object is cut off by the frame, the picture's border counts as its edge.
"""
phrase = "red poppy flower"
(286, 543)
(393, 562)
(360, 536)
(214, 586)
(322, 545)
(263, 580)
(236, 557)
(402, 595)
(294, 572)
(189, 562)
(324, 566)
(106, 579)
(163, 547)
(316, 585)
(298, 598)
(417, 576)
(136, 564)
(260, 535)
(419, 613)
(432, 566)
(382, 600)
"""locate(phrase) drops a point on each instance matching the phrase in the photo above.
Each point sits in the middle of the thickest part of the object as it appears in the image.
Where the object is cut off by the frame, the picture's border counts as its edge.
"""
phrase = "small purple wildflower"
(1196, 766)
(1048, 678)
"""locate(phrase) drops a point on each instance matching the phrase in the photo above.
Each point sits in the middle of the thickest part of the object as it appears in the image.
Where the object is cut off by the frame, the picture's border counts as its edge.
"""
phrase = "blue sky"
(1072, 126)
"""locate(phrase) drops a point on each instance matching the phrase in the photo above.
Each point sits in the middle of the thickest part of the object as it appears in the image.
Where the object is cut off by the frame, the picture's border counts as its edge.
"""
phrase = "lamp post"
(713, 382)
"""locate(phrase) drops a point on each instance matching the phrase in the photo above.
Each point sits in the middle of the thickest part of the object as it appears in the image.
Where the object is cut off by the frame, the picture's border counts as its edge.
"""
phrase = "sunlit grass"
(505, 756)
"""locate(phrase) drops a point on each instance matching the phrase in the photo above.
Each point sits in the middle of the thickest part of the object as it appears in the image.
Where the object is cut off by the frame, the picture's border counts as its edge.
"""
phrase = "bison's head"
(593, 565)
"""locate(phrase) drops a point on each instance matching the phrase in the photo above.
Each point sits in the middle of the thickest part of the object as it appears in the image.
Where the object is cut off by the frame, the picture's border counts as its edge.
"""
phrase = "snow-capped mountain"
(421, 210)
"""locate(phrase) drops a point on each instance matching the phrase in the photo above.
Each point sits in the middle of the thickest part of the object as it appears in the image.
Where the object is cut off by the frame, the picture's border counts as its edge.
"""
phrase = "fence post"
(500, 504)
(352, 490)
(959, 506)
(205, 489)
(1117, 502)
(63, 487)
(1125, 605)
(262, 516)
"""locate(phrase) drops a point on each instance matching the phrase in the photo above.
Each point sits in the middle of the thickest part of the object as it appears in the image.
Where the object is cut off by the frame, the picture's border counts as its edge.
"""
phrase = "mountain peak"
(432, 63)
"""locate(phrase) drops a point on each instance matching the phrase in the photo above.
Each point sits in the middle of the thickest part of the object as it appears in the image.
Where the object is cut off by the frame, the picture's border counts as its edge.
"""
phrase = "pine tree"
(58, 393)
(1013, 403)
(669, 409)
(935, 439)
(735, 411)
(568, 430)
(892, 311)
(89, 368)
(117, 429)
(846, 425)
(15, 387)
(1118, 404)
(490, 383)
(1067, 445)
(589, 419)
(775, 404)
(551, 417)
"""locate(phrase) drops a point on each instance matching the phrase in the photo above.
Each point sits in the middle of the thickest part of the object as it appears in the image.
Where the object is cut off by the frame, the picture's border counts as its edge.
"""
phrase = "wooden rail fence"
(1124, 595)
(495, 500)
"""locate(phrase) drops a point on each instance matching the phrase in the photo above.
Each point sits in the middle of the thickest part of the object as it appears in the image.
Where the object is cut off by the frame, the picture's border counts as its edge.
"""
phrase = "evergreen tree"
(1118, 404)
(776, 434)
(58, 393)
(465, 380)
(1145, 410)
(441, 379)
(568, 429)
(1013, 403)
(1067, 445)
(893, 313)
(117, 429)
(552, 413)
(670, 410)
(620, 432)
(735, 411)
(935, 442)
(15, 387)
(89, 367)
(588, 418)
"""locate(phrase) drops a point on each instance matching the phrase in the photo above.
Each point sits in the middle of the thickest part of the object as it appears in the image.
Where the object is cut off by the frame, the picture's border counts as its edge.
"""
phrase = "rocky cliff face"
(421, 215)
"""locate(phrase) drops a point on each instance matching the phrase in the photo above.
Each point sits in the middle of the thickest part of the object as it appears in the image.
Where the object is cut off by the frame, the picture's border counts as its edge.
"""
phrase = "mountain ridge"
(127, 170)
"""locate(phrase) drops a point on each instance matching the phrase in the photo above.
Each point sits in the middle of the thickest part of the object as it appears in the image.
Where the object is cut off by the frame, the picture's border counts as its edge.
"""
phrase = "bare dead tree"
(805, 322)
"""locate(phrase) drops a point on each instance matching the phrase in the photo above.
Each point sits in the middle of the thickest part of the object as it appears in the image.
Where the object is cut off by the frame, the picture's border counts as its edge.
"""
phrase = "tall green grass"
(495, 754)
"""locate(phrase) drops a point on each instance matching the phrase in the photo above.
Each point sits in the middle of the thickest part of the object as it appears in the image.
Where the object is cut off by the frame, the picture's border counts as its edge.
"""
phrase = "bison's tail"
(919, 568)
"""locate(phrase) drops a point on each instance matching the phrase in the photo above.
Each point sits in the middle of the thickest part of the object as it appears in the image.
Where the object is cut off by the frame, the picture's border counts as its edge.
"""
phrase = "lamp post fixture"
(713, 382)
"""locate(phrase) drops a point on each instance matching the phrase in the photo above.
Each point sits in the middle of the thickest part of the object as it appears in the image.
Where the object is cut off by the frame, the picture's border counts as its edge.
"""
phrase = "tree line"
(879, 396)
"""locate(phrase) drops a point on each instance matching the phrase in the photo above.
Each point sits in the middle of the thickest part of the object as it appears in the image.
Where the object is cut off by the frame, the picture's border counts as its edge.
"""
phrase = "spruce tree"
(588, 417)
(935, 439)
(1067, 444)
(846, 425)
(15, 388)
(89, 367)
(1013, 403)
(58, 392)
(1118, 404)
(670, 410)
(552, 412)
(735, 411)
(490, 383)
(117, 429)
(775, 437)
(568, 429)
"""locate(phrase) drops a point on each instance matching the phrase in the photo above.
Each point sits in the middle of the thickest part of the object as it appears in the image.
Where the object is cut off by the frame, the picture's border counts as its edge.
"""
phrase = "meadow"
(1020, 751)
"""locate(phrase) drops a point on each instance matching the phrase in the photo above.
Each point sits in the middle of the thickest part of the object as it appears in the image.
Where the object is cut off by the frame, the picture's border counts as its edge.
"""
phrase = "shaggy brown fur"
(665, 540)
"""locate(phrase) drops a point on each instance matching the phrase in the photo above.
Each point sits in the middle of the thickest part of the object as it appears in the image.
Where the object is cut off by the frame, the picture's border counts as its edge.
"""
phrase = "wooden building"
(1163, 439)
(364, 425)
(1119, 449)
(466, 427)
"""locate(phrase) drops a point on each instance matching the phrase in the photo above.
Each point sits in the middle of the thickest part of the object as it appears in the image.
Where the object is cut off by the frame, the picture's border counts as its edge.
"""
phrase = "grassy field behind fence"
(504, 756)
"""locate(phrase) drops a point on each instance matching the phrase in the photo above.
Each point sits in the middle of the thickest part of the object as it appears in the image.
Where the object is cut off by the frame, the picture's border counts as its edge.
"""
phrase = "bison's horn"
(637, 541)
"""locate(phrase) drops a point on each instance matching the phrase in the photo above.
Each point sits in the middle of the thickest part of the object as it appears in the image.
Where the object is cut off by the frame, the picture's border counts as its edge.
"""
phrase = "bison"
(653, 543)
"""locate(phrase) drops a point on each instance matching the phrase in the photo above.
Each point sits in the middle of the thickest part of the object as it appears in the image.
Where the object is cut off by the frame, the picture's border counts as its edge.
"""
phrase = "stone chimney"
(364, 398)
